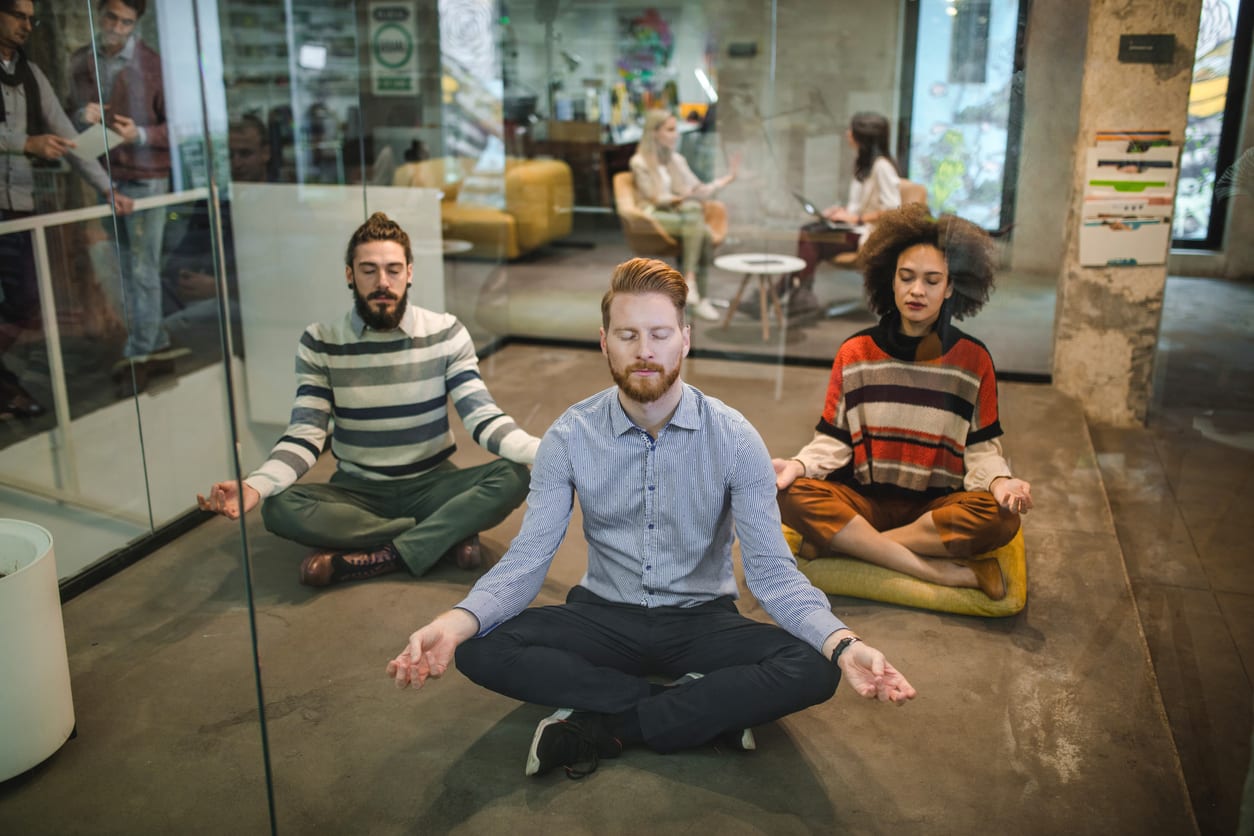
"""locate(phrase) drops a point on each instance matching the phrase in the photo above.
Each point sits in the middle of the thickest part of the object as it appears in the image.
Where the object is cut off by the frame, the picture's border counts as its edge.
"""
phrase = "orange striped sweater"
(908, 420)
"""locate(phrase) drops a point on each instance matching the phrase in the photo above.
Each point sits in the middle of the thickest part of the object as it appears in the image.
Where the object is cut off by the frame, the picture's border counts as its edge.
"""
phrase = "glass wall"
(149, 351)
(113, 390)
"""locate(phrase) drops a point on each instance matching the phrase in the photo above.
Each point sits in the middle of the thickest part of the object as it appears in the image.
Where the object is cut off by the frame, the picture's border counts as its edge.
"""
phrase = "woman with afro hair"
(906, 468)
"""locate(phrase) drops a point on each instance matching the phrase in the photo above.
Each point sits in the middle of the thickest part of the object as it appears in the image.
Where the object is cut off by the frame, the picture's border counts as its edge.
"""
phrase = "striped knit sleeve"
(985, 424)
(834, 422)
(301, 444)
(490, 427)
(982, 459)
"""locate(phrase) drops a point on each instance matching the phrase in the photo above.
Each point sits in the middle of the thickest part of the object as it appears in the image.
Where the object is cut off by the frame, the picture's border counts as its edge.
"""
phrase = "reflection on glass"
(110, 338)
(963, 86)
(1208, 96)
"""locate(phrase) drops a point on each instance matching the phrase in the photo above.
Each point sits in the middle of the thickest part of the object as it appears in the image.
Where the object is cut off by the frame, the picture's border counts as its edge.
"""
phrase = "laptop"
(835, 226)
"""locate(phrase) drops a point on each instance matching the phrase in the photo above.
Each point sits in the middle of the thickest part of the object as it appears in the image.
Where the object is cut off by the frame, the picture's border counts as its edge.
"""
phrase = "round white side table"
(764, 267)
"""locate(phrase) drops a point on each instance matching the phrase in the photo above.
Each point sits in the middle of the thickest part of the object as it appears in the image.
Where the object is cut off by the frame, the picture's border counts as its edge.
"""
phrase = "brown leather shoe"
(323, 568)
(316, 569)
(989, 576)
(467, 553)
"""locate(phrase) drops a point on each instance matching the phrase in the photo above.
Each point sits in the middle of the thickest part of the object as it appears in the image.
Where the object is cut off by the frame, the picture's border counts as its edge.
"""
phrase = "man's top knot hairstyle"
(378, 227)
(645, 275)
(967, 249)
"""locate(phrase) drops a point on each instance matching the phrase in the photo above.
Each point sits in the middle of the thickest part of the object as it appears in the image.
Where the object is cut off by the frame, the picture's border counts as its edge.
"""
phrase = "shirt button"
(650, 487)
(650, 526)
(648, 567)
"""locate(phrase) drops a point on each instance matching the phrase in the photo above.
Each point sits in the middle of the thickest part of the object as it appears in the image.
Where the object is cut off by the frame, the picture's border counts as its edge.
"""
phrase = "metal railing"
(65, 472)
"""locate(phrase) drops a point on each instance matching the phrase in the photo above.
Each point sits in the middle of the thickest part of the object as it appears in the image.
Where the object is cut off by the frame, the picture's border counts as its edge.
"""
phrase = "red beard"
(648, 389)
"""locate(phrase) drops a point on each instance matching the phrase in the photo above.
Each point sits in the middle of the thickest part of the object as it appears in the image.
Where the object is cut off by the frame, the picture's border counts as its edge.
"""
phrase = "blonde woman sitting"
(668, 190)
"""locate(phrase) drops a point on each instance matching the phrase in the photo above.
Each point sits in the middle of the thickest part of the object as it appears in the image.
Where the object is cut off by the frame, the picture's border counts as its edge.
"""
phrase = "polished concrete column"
(1106, 327)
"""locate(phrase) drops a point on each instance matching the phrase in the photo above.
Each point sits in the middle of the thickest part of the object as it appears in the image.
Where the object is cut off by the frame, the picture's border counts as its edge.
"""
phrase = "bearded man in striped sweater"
(385, 373)
(906, 468)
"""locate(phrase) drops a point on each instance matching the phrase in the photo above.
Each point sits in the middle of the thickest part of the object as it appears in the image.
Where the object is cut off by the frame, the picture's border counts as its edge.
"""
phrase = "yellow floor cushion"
(858, 579)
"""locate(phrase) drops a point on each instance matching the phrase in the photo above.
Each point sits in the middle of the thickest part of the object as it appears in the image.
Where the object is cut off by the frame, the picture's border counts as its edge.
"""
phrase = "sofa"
(500, 221)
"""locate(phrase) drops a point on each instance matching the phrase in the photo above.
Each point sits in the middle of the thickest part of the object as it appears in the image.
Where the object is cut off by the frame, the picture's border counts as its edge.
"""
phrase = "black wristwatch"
(842, 646)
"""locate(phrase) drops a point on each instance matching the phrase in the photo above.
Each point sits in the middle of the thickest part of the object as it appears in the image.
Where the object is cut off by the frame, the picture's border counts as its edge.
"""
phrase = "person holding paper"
(32, 126)
(128, 73)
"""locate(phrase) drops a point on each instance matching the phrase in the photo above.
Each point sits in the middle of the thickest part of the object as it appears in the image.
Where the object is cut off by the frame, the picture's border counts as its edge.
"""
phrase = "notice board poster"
(393, 49)
(1129, 197)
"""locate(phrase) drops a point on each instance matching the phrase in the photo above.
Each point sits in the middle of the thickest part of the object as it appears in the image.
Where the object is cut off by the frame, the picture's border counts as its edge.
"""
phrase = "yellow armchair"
(532, 206)
(645, 236)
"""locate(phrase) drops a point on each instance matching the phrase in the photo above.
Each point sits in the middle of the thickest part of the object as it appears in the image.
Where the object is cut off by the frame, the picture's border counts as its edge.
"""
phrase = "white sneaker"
(705, 310)
(694, 298)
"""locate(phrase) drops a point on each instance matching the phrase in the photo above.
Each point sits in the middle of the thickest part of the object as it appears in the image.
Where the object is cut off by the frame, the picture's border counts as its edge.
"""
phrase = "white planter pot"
(36, 709)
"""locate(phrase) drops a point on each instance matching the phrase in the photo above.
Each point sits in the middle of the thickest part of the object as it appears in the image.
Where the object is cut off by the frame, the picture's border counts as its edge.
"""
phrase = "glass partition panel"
(771, 94)
(755, 93)
(117, 412)
(354, 109)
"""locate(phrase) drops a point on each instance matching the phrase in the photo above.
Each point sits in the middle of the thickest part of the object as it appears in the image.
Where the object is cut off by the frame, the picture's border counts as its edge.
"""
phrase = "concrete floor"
(1181, 491)
(1050, 721)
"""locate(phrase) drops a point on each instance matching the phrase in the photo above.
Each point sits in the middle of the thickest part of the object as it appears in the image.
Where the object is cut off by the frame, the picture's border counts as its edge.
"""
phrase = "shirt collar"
(127, 52)
(687, 414)
(409, 322)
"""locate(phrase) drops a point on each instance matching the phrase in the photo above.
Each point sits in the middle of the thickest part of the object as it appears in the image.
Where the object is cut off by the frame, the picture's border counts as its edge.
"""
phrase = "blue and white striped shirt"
(658, 516)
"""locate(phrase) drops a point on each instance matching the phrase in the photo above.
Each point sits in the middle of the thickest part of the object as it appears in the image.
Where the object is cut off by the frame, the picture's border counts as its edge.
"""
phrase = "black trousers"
(19, 290)
(593, 655)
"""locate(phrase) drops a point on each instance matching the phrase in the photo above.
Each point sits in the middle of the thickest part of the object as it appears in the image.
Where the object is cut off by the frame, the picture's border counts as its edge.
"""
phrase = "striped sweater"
(895, 420)
(388, 393)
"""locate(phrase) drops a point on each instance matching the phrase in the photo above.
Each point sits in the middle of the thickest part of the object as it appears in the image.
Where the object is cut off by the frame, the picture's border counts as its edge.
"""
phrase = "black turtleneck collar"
(888, 336)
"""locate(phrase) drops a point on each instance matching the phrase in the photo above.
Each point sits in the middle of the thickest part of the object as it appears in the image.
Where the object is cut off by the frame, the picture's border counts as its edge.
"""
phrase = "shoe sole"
(747, 741)
(533, 758)
(170, 353)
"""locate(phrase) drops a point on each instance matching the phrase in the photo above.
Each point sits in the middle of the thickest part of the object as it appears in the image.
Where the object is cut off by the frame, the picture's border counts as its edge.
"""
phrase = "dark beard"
(644, 391)
(376, 320)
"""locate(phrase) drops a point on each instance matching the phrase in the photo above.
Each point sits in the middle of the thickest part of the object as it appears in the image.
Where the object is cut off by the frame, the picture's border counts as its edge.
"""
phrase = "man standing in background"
(32, 127)
(127, 73)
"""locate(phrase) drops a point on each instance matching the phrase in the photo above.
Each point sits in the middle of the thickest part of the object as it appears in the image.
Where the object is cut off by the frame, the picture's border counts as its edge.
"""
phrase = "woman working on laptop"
(672, 194)
(876, 188)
